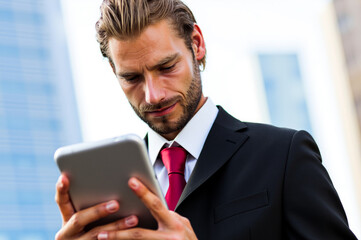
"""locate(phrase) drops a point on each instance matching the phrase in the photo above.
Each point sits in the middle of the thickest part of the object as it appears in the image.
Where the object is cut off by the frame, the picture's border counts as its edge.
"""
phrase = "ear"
(199, 46)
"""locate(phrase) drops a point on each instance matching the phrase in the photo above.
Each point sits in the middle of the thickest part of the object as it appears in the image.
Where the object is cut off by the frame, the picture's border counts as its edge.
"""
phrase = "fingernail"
(133, 183)
(103, 236)
(131, 221)
(111, 206)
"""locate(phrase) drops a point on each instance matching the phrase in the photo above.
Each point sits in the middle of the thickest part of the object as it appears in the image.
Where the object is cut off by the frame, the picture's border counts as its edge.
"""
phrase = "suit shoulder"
(270, 135)
(265, 129)
(261, 130)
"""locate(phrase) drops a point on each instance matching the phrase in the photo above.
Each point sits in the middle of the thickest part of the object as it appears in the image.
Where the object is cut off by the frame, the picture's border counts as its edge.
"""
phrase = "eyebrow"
(164, 61)
(161, 63)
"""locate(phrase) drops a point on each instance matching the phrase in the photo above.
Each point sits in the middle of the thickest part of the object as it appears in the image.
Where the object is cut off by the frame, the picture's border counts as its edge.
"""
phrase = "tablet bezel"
(99, 171)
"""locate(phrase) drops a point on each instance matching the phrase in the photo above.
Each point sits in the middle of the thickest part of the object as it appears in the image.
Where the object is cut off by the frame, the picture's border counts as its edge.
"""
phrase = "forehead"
(154, 43)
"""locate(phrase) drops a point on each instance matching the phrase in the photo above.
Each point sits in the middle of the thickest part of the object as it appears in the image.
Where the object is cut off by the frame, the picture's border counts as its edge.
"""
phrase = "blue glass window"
(6, 15)
(24, 235)
(19, 122)
(284, 90)
(31, 52)
(32, 18)
(29, 197)
(5, 158)
(34, 52)
(40, 88)
(24, 159)
(2, 122)
(32, 124)
(8, 51)
(8, 196)
(45, 124)
(12, 86)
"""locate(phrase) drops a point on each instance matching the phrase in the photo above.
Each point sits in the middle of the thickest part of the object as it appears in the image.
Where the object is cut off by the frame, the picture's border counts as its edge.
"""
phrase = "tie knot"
(174, 159)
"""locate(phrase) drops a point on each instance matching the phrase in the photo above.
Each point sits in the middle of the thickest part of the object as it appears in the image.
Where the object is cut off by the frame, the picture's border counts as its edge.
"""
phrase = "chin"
(165, 128)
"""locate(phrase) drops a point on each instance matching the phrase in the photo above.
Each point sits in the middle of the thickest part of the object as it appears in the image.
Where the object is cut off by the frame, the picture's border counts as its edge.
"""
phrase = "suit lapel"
(224, 139)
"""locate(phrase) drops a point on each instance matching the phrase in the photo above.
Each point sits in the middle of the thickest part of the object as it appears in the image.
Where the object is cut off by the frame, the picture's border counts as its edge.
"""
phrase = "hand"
(170, 224)
(74, 222)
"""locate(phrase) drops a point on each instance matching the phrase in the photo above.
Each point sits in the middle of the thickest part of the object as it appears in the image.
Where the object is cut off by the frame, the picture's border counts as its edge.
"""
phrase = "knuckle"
(93, 233)
(177, 219)
(186, 221)
(136, 234)
(178, 225)
(156, 204)
(100, 211)
(113, 235)
(120, 224)
(58, 236)
(174, 237)
(97, 211)
(75, 221)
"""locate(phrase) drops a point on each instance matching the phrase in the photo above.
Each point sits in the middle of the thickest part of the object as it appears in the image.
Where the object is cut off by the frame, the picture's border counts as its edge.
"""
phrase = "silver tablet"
(99, 172)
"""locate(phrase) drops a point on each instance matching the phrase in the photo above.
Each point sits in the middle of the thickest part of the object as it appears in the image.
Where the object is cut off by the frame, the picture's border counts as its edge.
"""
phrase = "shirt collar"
(192, 136)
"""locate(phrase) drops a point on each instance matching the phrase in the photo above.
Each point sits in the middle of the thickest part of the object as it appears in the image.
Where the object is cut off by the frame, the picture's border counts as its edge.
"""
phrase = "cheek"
(186, 76)
(181, 79)
(134, 94)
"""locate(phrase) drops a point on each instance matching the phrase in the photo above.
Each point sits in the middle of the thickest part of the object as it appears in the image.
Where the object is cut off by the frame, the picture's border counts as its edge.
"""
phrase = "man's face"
(160, 77)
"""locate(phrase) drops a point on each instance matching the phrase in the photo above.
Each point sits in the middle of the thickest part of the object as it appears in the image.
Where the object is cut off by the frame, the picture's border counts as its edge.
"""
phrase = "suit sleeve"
(312, 208)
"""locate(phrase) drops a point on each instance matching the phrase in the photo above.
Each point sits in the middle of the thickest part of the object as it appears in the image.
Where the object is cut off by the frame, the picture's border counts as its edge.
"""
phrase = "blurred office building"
(349, 23)
(348, 18)
(278, 62)
(38, 114)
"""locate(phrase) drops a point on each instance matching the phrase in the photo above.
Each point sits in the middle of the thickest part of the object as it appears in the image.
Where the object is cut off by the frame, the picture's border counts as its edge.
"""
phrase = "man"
(244, 180)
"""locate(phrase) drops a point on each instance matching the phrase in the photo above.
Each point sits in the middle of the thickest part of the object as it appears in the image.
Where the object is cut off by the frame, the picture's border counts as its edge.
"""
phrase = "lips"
(162, 111)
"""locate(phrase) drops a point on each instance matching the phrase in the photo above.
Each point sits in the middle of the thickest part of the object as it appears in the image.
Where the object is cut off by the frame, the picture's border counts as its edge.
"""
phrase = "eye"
(131, 78)
(167, 69)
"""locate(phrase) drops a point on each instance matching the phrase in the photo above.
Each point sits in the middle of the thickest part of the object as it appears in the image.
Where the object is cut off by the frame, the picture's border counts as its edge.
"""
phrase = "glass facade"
(38, 114)
(285, 93)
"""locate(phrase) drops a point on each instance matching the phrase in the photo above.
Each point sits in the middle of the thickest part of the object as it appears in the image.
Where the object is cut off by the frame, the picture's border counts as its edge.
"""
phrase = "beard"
(189, 105)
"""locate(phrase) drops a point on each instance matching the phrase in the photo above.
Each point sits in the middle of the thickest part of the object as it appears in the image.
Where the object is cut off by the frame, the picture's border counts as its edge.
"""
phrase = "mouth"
(162, 111)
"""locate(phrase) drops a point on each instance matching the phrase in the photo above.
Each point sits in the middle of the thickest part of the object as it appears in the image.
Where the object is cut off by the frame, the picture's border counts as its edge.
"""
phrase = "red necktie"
(174, 159)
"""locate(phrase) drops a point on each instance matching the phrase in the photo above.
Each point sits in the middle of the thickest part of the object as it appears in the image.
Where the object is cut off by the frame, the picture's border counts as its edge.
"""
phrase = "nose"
(154, 92)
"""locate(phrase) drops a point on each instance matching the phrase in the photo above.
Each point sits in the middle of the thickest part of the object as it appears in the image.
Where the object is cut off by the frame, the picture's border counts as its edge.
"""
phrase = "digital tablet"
(99, 171)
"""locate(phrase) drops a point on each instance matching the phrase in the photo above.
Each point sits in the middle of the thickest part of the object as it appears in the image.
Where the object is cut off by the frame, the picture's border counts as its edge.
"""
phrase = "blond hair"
(124, 19)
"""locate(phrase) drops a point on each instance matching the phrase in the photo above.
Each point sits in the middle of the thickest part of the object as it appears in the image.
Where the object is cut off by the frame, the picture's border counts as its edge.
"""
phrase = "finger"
(134, 233)
(82, 218)
(152, 202)
(122, 224)
(62, 198)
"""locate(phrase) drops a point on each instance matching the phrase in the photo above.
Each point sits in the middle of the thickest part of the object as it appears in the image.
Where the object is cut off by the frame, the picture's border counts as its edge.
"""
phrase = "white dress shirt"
(191, 138)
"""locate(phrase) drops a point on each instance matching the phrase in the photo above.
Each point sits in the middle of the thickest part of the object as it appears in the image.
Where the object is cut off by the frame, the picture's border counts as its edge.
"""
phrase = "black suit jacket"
(255, 181)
